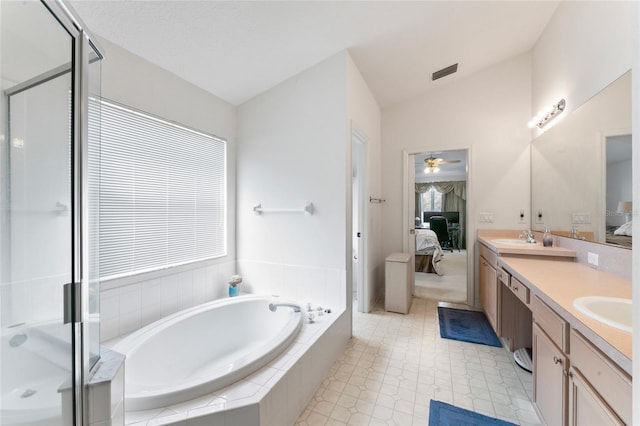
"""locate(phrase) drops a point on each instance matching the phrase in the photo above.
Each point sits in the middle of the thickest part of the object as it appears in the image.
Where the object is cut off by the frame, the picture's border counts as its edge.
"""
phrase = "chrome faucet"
(274, 306)
(573, 233)
(528, 236)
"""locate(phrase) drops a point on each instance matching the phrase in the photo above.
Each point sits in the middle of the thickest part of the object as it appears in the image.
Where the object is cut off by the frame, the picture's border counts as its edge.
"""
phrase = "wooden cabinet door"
(586, 407)
(489, 292)
(549, 379)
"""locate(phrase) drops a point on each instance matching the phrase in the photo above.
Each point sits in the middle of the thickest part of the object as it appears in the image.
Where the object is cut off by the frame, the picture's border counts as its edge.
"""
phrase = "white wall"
(130, 303)
(364, 114)
(487, 113)
(292, 149)
(584, 47)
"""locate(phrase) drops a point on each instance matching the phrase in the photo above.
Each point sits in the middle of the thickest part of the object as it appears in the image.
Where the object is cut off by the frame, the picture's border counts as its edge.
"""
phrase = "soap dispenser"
(547, 239)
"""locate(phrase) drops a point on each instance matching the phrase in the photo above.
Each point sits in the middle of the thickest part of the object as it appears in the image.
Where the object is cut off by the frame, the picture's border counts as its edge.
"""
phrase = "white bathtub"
(202, 349)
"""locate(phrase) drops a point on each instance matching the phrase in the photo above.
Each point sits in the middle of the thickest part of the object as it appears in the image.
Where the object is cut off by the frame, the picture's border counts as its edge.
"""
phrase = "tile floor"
(395, 364)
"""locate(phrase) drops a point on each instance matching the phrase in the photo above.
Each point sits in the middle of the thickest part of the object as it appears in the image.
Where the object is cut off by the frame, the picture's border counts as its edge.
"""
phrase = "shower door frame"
(76, 297)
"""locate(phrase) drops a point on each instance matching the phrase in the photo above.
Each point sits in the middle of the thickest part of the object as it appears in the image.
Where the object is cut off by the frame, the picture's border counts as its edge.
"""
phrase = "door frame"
(604, 135)
(408, 179)
(360, 158)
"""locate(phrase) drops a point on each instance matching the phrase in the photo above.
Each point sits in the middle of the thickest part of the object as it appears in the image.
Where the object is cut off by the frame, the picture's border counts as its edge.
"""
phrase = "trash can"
(397, 287)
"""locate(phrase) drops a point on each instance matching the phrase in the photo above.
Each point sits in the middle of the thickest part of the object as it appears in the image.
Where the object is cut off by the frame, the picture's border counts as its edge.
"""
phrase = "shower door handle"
(72, 303)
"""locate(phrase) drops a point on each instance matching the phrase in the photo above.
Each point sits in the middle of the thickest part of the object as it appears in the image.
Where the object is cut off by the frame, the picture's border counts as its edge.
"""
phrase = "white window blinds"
(162, 196)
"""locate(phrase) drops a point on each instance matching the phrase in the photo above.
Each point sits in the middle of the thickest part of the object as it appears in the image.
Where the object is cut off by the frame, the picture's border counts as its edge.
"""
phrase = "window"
(432, 201)
(162, 193)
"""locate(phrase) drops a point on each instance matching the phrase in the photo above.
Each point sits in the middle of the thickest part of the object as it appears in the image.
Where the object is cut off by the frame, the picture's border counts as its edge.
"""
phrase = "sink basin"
(510, 241)
(613, 311)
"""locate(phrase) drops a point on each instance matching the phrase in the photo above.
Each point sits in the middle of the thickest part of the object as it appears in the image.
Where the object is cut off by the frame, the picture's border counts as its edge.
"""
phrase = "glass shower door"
(36, 224)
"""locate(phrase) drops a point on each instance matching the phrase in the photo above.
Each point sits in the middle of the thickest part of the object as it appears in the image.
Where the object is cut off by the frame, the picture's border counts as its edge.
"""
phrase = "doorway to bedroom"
(438, 203)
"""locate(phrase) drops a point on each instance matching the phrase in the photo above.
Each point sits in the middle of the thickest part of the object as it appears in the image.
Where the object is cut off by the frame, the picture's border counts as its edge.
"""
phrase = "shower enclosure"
(49, 69)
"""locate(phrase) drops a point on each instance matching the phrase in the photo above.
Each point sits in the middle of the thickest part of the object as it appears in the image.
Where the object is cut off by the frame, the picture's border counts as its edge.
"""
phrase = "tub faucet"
(274, 306)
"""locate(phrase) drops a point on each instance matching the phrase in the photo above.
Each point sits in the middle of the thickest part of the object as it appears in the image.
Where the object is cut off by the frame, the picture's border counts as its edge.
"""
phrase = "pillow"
(624, 229)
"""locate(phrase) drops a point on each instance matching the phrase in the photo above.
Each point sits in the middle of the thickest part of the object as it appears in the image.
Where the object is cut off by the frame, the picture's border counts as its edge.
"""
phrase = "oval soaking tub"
(203, 349)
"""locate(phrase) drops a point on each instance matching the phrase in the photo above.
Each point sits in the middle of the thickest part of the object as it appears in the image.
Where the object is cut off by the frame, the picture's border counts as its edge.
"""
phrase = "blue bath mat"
(443, 414)
(466, 326)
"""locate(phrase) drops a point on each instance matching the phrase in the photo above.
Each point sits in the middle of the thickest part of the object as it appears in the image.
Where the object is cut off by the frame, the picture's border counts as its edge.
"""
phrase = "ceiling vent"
(444, 72)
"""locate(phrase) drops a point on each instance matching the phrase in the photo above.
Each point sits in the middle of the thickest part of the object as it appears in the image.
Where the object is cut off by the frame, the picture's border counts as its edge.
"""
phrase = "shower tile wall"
(31, 301)
(128, 308)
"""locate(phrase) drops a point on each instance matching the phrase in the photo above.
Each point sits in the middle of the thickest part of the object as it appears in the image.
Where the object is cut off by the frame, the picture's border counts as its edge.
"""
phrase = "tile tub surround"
(106, 390)
(395, 364)
(128, 307)
(274, 395)
(323, 286)
(134, 304)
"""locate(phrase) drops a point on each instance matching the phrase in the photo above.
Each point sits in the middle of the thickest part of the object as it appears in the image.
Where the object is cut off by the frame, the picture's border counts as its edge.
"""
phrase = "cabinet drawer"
(490, 257)
(520, 290)
(503, 276)
(553, 324)
(613, 384)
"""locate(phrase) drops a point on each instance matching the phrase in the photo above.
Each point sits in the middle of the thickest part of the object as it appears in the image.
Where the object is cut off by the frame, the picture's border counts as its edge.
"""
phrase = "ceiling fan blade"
(433, 160)
(449, 162)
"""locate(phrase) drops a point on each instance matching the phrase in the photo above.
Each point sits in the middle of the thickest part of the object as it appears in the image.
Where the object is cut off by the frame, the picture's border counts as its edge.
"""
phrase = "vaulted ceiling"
(236, 49)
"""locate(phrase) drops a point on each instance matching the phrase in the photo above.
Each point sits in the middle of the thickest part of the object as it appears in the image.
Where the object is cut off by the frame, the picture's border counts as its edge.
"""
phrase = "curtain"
(454, 200)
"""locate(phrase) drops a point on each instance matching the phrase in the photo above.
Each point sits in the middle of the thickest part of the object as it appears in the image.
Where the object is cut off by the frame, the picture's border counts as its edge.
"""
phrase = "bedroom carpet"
(443, 414)
(466, 326)
(450, 287)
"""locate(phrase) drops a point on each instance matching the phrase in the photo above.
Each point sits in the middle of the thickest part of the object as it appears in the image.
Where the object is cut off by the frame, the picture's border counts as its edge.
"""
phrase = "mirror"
(581, 170)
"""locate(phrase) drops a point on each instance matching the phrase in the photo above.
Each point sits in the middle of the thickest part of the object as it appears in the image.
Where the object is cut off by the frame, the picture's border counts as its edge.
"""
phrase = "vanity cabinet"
(550, 383)
(587, 407)
(550, 363)
(489, 295)
(598, 389)
(574, 383)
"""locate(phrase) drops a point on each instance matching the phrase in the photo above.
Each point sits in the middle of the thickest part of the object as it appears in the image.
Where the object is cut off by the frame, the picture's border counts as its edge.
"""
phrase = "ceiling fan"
(432, 164)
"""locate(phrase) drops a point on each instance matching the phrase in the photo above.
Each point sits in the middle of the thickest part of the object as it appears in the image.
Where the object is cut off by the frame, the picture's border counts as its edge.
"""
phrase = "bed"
(428, 252)
(620, 236)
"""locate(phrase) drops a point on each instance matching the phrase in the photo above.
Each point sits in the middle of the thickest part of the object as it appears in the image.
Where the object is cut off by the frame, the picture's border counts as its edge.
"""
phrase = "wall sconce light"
(546, 115)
